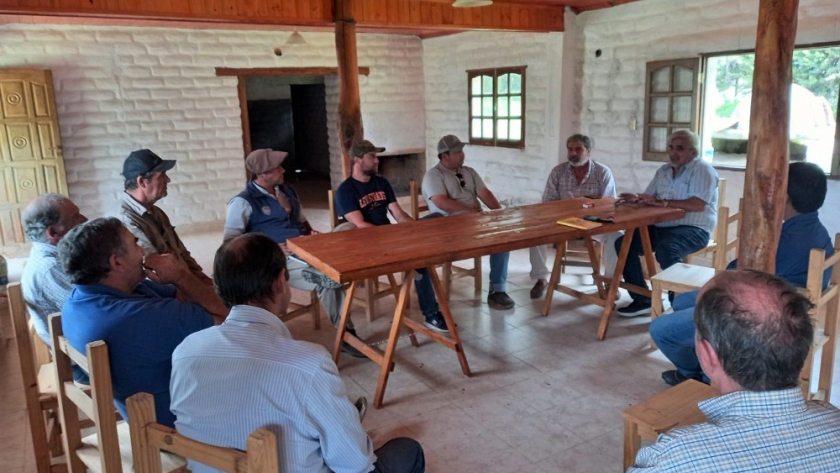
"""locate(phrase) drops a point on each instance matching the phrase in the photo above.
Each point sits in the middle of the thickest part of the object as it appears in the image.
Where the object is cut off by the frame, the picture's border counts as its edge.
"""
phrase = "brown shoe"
(539, 289)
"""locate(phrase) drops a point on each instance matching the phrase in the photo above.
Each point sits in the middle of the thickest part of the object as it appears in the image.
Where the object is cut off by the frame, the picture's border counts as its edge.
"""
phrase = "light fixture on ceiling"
(471, 3)
(295, 38)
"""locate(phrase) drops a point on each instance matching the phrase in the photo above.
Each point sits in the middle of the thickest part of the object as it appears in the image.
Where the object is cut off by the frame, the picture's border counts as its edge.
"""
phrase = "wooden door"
(31, 162)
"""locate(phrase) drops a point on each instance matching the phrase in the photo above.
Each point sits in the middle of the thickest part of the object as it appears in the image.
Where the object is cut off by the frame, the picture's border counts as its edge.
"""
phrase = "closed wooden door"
(31, 162)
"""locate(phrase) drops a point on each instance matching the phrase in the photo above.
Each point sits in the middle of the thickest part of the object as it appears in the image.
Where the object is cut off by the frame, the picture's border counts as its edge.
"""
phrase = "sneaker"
(635, 309)
(674, 377)
(500, 300)
(361, 406)
(436, 322)
(539, 289)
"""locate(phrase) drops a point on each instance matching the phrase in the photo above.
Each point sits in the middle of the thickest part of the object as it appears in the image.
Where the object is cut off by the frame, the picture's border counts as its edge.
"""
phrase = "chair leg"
(447, 279)
(316, 310)
(477, 275)
(655, 304)
(632, 443)
(370, 299)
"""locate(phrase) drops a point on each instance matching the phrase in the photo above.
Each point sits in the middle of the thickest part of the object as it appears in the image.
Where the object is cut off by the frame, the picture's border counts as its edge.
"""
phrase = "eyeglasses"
(461, 178)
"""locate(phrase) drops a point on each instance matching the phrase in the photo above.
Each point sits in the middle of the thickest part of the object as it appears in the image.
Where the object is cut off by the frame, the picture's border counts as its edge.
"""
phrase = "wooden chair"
(450, 270)
(108, 450)
(818, 371)
(372, 288)
(674, 407)
(38, 373)
(150, 441)
(713, 242)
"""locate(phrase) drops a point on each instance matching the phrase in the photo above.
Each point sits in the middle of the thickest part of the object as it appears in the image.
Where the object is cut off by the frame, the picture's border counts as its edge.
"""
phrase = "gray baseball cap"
(450, 143)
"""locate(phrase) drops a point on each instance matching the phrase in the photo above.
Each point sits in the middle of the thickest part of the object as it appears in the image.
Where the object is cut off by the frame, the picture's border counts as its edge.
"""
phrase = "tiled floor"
(545, 395)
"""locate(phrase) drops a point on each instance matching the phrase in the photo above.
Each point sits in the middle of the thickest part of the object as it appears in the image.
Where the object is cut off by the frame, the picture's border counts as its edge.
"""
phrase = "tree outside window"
(497, 106)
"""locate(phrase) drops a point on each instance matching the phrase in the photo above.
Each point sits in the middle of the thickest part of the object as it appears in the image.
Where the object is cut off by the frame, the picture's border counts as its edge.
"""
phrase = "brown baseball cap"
(360, 149)
(264, 160)
(450, 143)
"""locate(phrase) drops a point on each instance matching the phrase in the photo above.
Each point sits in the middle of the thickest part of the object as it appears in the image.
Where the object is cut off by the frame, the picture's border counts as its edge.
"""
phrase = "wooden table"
(349, 257)
(627, 218)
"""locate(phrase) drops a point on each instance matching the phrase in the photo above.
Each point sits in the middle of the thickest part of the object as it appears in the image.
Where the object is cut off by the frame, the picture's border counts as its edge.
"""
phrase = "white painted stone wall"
(633, 34)
(515, 176)
(123, 88)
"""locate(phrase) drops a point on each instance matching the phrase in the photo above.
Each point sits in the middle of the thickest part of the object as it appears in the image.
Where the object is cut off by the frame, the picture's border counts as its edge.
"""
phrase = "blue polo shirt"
(141, 329)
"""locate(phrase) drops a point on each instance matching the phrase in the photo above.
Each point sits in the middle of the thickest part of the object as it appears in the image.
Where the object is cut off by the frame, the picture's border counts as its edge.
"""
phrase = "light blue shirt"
(748, 431)
(45, 286)
(249, 373)
(696, 179)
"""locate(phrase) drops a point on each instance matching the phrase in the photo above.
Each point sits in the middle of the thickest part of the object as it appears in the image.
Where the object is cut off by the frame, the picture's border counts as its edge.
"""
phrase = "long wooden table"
(351, 257)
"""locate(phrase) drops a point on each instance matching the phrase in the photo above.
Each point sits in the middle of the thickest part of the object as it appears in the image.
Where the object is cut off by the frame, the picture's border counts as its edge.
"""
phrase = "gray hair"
(43, 212)
(692, 138)
(85, 252)
(131, 184)
(583, 139)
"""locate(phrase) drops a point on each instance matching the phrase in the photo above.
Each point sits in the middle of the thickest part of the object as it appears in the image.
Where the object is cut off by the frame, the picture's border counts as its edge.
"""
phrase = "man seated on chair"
(688, 183)
(364, 200)
(142, 320)
(577, 177)
(249, 373)
(45, 286)
(801, 231)
(450, 188)
(754, 334)
(145, 184)
(270, 206)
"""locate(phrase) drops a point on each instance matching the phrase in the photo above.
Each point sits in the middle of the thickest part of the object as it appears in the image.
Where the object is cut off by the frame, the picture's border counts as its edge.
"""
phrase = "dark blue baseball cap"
(144, 161)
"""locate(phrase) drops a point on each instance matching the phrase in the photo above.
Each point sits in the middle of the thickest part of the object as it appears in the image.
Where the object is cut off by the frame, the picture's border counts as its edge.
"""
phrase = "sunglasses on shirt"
(461, 179)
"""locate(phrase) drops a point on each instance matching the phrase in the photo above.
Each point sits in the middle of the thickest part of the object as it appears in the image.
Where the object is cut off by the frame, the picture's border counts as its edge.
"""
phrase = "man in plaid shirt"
(753, 336)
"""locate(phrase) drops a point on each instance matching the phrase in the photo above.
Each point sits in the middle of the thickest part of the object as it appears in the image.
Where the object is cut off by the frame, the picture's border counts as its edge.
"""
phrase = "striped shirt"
(771, 431)
(562, 183)
(249, 373)
(45, 286)
(695, 179)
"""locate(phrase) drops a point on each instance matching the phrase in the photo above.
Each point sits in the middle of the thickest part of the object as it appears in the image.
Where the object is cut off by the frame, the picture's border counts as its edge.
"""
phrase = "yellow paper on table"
(577, 222)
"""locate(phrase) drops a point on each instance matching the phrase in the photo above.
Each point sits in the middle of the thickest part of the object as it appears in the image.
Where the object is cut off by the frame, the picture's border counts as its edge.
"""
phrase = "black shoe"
(635, 309)
(500, 300)
(436, 322)
(539, 289)
(674, 377)
(351, 350)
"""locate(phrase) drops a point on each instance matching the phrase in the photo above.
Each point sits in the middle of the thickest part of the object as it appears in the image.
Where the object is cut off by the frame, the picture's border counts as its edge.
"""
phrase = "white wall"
(633, 34)
(516, 176)
(123, 88)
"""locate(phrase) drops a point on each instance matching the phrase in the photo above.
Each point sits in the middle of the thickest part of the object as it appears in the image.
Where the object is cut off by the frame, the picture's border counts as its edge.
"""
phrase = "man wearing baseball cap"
(270, 206)
(364, 200)
(452, 188)
(145, 184)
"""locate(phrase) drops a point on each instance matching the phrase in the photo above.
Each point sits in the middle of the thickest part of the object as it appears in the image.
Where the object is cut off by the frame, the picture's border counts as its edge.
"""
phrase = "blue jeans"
(498, 271)
(400, 455)
(670, 245)
(674, 336)
(426, 294)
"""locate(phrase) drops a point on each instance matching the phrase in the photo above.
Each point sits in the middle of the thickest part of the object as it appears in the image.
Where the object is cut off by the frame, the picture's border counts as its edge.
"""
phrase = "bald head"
(758, 326)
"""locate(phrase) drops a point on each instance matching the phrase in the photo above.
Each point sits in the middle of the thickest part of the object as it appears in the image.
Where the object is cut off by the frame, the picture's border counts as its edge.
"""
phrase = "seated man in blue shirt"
(753, 337)
(687, 183)
(801, 231)
(249, 373)
(142, 320)
(364, 200)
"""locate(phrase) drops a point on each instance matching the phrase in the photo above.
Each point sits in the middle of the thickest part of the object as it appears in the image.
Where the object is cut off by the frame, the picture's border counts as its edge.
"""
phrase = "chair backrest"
(335, 220)
(727, 236)
(824, 315)
(97, 404)
(148, 438)
(418, 202)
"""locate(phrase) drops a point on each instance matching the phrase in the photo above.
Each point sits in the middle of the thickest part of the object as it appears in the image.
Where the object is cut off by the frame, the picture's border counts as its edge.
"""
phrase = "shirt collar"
(44, 249)
(776, 403)
(248, 314)
(590, 166)
(801, 219)
(137, 207)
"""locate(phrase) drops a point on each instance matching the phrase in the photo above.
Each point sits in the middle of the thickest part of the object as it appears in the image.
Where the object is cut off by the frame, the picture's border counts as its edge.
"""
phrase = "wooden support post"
(765, 184)
(350, 128)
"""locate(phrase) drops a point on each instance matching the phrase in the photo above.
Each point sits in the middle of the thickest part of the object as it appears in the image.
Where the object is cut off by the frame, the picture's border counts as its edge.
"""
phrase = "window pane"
(516, 106)
(476, 107)
(503, 107)
(661, 80)
(487, 131)
(515, 130)
(476, 128)
(683, 79)
(515, 83)
(502, 130)
(476, 85)
(681, 110)
(659, 110)
(503, 83)
(487, 106)
(658, 138)
(487, 89)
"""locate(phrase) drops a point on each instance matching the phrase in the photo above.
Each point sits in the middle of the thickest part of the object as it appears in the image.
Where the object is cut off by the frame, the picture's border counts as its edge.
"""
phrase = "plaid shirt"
(562, 183)
(771, 431)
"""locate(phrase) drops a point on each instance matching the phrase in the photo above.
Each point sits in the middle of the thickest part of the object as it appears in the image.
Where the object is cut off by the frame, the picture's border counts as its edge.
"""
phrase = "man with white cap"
(270, 206)
(145, 184)
(451, 188)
